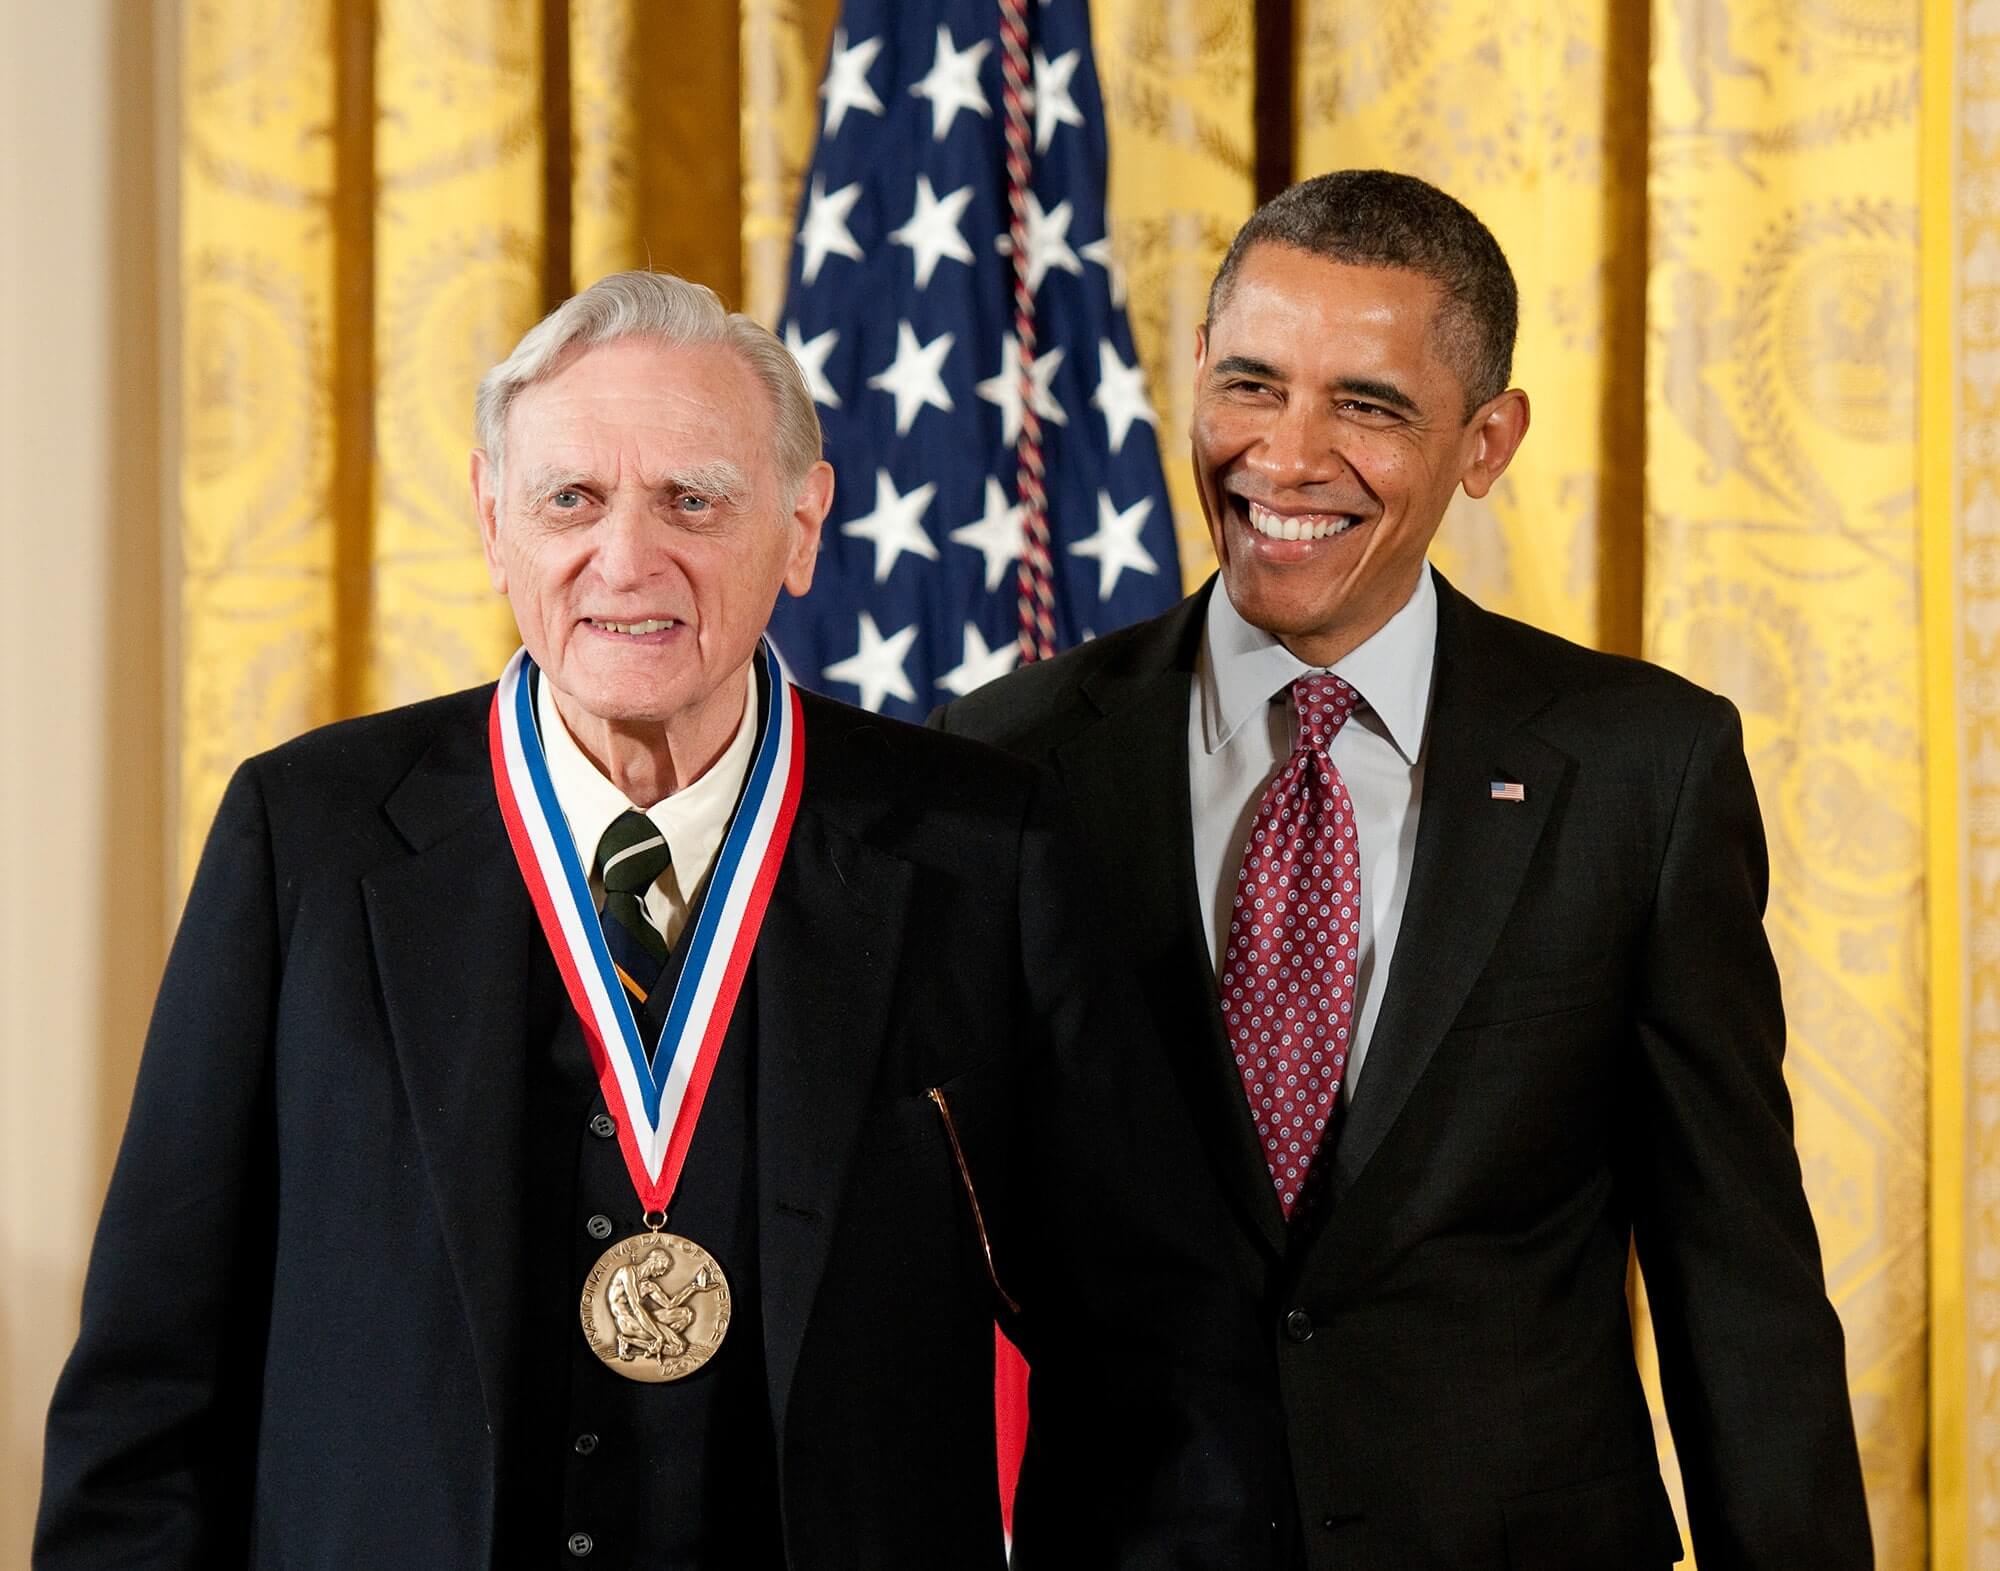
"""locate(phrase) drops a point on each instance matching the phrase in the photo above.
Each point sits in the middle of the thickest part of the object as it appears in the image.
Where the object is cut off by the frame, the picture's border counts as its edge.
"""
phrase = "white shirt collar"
(1243, 666)
(694, 819)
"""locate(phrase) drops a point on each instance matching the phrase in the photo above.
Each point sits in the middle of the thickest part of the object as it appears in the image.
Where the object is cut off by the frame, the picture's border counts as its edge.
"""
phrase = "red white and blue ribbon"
(658, 1096)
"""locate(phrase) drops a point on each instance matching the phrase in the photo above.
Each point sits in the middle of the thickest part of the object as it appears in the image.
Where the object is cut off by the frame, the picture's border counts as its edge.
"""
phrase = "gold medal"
(655, 1307)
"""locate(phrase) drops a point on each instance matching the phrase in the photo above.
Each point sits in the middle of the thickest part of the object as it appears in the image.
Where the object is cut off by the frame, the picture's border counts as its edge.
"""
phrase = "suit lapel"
(1471, 855)
(1114, 771)
(825, 962)
(454, 938)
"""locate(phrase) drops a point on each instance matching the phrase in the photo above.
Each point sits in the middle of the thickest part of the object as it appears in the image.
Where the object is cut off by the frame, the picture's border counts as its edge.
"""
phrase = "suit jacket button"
(604, 1126)
(580, 1544)
(585, 1443)
(1299, 1326)
(599, 1227)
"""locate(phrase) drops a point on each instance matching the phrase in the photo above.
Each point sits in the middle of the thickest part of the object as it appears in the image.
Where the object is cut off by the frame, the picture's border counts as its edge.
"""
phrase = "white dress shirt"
(1241, 728)
(694, 819)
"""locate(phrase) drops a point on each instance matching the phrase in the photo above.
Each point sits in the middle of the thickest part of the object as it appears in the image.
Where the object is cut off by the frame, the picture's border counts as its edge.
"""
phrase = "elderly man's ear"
(815, 501)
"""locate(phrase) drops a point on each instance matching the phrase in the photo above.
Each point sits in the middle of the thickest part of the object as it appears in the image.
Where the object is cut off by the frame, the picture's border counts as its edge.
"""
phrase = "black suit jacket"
(1579, 1044)
(303, 1324)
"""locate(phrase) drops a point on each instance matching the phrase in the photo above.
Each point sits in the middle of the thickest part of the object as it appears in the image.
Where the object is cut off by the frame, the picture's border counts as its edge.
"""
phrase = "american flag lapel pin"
(1509, 791)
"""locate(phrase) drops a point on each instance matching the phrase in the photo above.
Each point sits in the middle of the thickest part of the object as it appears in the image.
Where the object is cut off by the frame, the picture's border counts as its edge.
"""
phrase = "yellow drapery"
(1715, 213)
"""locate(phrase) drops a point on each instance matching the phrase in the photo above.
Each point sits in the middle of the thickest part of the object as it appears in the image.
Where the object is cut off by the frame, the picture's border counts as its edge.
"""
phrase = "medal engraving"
(655, 1307)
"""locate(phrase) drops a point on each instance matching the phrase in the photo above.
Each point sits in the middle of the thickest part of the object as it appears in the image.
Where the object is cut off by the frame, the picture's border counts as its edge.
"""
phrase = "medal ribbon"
(661, 1101)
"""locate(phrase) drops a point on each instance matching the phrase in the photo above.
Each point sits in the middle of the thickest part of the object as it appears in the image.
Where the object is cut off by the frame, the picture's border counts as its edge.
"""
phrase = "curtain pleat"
(1961, 609)
(459, 237)
(783, 48)
(257, 600)
(1512, 109)
(1782, 554)
(1176, 78)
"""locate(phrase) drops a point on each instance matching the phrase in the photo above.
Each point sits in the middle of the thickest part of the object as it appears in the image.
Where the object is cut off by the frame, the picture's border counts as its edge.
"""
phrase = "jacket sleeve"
(1155, 1434)
(150, 1449)
(1751, 1352)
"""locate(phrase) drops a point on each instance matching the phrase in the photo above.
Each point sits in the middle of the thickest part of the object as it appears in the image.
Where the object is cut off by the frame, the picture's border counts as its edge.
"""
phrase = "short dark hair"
(1377, 218)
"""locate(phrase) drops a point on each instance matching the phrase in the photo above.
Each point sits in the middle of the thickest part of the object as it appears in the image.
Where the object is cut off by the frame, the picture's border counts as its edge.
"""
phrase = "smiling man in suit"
(1456, 930)
(599, 1119)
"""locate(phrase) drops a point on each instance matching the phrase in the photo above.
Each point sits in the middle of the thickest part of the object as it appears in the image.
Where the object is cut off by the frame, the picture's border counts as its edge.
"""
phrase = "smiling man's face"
(1329, 437)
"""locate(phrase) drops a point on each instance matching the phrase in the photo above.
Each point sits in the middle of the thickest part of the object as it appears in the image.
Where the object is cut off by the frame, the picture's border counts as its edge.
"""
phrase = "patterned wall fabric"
(1528, 114)
(1962, 518)
(257, 592)
(783, 48)
(458, 277)
(1781, 569)
(1712, 209)
(1176, 80)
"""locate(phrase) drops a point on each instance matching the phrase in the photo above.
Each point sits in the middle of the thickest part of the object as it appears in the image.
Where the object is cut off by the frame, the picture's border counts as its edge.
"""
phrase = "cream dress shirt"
(1241, 728)
(694, 819)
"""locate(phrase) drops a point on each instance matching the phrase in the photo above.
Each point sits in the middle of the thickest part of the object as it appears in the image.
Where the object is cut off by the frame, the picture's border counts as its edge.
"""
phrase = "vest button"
(604, 1126)
(599, 1228)
(585, 1443)
(1299, 1326)
(580, 1544)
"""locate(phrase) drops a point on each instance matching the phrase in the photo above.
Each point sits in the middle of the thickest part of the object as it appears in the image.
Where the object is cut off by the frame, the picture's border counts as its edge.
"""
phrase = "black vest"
(612, 1472)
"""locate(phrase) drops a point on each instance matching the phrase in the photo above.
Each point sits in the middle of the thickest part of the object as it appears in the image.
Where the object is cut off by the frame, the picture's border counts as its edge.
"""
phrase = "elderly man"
(600, 1118)
(1456, 931)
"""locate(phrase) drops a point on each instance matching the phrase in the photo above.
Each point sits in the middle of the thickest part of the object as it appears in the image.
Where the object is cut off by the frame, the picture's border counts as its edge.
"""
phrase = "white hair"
(675, 312)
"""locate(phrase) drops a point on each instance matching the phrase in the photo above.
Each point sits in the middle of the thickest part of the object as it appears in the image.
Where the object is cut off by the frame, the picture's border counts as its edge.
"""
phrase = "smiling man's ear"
(1498, 429)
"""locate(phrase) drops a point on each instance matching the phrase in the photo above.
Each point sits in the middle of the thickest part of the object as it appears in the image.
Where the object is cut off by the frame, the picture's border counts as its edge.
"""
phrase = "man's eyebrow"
(1376, 393)
(1247, 365)
(720, 480)
(541, 484)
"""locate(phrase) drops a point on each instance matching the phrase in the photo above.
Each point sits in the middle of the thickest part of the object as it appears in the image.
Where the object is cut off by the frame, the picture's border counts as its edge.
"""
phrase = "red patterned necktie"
(1294, 943)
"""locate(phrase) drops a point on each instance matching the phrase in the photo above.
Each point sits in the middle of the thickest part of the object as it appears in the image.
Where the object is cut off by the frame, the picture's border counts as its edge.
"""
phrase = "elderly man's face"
(642, 530)
(1328, 440)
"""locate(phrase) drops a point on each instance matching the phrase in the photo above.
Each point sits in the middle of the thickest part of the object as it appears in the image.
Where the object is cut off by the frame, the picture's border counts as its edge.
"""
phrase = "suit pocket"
(1504, 999)
(899, 1123)
(1620, 1522)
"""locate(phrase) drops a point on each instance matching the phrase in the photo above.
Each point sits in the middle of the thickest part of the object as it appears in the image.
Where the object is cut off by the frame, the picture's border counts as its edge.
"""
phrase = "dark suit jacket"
(303, 1324)
(1580, 1043)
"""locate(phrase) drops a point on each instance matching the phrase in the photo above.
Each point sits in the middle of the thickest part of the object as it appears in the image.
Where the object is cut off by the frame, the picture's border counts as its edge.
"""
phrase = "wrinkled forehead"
(659, 409)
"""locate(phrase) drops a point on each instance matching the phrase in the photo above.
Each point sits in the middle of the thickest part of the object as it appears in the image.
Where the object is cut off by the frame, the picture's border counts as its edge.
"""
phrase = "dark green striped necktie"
(632, 854)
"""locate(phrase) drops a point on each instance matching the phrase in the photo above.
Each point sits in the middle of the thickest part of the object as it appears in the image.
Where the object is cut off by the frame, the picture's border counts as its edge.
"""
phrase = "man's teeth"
(651, 625)
(1310, 526)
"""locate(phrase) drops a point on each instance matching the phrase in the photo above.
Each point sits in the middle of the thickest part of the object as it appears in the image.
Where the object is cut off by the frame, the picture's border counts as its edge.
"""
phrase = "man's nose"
(1297, 446)
(631, 545)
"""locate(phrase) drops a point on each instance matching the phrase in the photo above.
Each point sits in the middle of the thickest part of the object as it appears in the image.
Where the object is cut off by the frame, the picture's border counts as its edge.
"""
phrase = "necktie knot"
(632, 854)
(1323, 702)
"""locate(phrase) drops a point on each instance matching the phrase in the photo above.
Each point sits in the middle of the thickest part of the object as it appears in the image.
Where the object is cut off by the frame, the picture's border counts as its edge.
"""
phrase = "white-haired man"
(599, 1117)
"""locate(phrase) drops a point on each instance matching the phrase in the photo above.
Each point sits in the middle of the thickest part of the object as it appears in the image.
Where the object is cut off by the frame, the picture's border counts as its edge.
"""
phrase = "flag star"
(952, 83)
(1053, 104)
(980, 665)
(825, 229)
(846, 86)
(1099, 251)
(1121, 394)
(997, 534)
(1048, 241)
(877, 666)
(932, 232)
(1004, 387)
(1116, 544)
(916, 376)
(811, 355)
(895, 526)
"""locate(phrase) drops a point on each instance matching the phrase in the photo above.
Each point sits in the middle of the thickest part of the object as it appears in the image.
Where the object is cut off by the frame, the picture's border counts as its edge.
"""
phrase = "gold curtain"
(1723, 243)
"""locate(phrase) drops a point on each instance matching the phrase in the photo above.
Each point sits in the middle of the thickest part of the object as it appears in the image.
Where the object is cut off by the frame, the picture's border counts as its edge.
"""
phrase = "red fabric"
(1010, 1420)
(1288, 974)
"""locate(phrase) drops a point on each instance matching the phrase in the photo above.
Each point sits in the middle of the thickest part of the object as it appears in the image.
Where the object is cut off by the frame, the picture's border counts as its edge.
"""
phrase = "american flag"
(902, 309)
